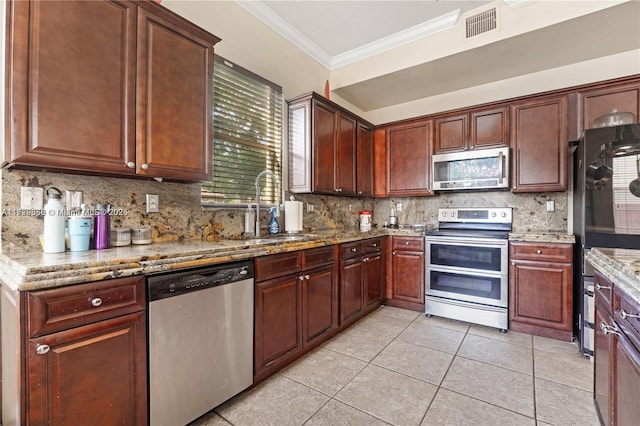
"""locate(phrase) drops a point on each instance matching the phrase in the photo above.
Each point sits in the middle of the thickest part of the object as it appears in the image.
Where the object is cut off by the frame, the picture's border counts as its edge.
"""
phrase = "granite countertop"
(35, 271)
(621, 265)
(543, 237)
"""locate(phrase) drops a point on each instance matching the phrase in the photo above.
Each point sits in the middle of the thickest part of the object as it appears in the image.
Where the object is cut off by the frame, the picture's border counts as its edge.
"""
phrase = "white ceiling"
(337, 33)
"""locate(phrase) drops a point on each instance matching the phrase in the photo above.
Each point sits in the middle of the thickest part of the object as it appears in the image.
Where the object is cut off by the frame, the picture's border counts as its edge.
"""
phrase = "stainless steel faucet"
(275, 179)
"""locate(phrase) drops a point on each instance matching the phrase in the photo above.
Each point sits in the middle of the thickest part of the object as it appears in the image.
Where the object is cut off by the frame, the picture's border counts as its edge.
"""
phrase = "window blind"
(247, 136)
(626, 206)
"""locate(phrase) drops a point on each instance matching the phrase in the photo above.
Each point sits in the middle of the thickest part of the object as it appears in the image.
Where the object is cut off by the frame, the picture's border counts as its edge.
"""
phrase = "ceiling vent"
(481, 23)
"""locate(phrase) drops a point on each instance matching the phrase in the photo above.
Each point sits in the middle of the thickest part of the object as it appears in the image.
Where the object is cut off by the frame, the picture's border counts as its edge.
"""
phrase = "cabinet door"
(373, 278)
(71, 75)
(278, 320)
(408, 276)
(451, 133)
(627, 382)
(539, 141)
(300, 170)
(345, 156)
(602, 361)
(408, 159)
(174, 95)
(96, 371)
(598, 102)
(319, 305)
(540, 298)
(489, 128)
(351, 291)
(324, 136)
(364, 161)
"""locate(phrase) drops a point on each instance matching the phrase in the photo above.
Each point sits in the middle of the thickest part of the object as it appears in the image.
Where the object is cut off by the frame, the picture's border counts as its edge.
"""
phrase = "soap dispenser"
(249, 221)
(274, 226)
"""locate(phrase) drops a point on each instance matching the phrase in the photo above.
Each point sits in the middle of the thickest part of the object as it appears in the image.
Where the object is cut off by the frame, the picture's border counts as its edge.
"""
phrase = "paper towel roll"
(293, 216)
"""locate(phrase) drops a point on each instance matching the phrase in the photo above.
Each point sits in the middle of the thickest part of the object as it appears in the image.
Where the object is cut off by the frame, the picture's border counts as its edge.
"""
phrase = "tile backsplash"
(182, 217)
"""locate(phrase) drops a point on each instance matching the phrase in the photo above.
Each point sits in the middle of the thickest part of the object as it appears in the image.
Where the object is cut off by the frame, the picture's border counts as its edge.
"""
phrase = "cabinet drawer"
(373, 245)
(408, 243)
(627, 315)
(68, 307)
(277, 265)
(603, 288)
(351, 250)
(315, 257)
(546, 252)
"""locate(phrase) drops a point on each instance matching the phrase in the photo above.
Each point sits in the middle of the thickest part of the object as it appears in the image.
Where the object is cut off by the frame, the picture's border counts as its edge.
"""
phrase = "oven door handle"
(483, 242)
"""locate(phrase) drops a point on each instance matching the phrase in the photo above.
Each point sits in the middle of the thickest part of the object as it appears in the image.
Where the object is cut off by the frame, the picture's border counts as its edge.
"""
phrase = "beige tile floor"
(401, 368)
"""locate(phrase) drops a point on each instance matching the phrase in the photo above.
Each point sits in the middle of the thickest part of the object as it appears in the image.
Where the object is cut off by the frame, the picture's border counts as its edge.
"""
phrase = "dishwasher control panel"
(172, 284)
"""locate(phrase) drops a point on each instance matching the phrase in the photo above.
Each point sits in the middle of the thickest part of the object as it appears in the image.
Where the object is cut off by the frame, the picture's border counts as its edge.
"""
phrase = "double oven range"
(467, 270)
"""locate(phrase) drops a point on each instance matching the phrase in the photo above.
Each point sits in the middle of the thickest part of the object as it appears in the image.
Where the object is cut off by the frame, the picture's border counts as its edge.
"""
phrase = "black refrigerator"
(605, 211)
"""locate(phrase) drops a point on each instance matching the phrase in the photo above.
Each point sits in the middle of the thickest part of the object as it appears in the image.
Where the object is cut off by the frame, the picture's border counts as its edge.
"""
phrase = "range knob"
(493, 214)
(452, 214)
(503, 214)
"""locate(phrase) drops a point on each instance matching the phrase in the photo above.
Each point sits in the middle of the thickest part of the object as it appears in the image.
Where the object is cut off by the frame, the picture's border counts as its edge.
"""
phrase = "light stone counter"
(36, 270)
(621, 265)
(543, 238)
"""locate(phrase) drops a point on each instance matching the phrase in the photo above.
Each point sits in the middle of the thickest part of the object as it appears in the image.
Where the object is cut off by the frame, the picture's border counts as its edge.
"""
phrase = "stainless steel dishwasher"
(200, 340)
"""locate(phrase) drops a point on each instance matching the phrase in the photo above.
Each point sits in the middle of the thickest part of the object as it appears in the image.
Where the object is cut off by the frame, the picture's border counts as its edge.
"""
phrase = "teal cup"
(79, 233)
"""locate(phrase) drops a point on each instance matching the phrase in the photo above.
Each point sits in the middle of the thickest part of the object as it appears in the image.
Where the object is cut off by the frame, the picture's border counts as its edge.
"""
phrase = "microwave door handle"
(500, 171)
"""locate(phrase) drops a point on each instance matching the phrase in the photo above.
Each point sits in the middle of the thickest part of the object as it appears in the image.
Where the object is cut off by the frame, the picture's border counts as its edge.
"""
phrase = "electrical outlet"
(31, 197)
(74, 199)
(153, 203)
(310, 207)
(398, 207)
(551, 206)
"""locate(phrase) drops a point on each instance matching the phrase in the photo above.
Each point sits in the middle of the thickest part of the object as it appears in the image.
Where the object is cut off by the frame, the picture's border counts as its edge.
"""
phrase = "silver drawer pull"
(353, 249)
(626, 315)
(603, 287)
(42, 349)
(96, 301)
(374, 245)
(407, 243)
(539, 251)
(607, 329)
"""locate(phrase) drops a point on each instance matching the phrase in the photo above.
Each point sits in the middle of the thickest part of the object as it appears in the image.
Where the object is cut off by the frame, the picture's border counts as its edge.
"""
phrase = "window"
(247, 136)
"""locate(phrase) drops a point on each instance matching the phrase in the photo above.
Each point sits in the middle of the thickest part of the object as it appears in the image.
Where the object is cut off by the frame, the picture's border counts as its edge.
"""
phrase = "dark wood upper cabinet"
(328, 148)
(597, 102)
(108, 87)
(407, 156)
(364, 161)
(540, 144)
(477, 129)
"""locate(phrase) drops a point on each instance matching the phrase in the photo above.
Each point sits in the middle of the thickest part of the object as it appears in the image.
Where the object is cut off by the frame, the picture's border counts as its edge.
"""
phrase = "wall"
(248, 42)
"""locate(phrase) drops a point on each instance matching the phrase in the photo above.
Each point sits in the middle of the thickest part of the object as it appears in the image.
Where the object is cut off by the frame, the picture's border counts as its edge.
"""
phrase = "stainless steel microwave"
(476, 169)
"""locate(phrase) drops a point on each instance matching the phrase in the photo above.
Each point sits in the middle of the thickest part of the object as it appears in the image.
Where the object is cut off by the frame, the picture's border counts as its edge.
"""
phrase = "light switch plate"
(31, 197)
(398, 207)
(74, 199)
(153, 203)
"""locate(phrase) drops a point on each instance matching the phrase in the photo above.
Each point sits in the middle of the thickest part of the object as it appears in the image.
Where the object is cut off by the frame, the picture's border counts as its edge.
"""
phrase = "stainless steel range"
(467, 271)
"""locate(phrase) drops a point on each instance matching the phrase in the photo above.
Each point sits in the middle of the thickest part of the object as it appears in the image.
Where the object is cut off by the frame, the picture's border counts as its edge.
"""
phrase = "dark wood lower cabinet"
(541, 289)
(97, 372)
(278, 320)
(362, 274)
(407, 273)
(295, 311)
(617, 354)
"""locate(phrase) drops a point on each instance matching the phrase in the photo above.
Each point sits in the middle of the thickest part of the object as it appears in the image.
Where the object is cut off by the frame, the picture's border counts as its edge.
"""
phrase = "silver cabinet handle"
(602, 287)
(96, 301)
(407, 243)
(539, 251)
(374, 245)
(42, 349)
(607, 329)
(353, 249)
(366, 259)
(394, 253)
(131, 165)
(626, 315)
(337, 189)
(306, 277)
(301, 278)
(359, 192)
(145, 166)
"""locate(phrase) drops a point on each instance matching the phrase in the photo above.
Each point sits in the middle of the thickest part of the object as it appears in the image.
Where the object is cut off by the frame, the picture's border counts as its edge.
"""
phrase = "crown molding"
(398, 39)
(274, 21)
(282, 27)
